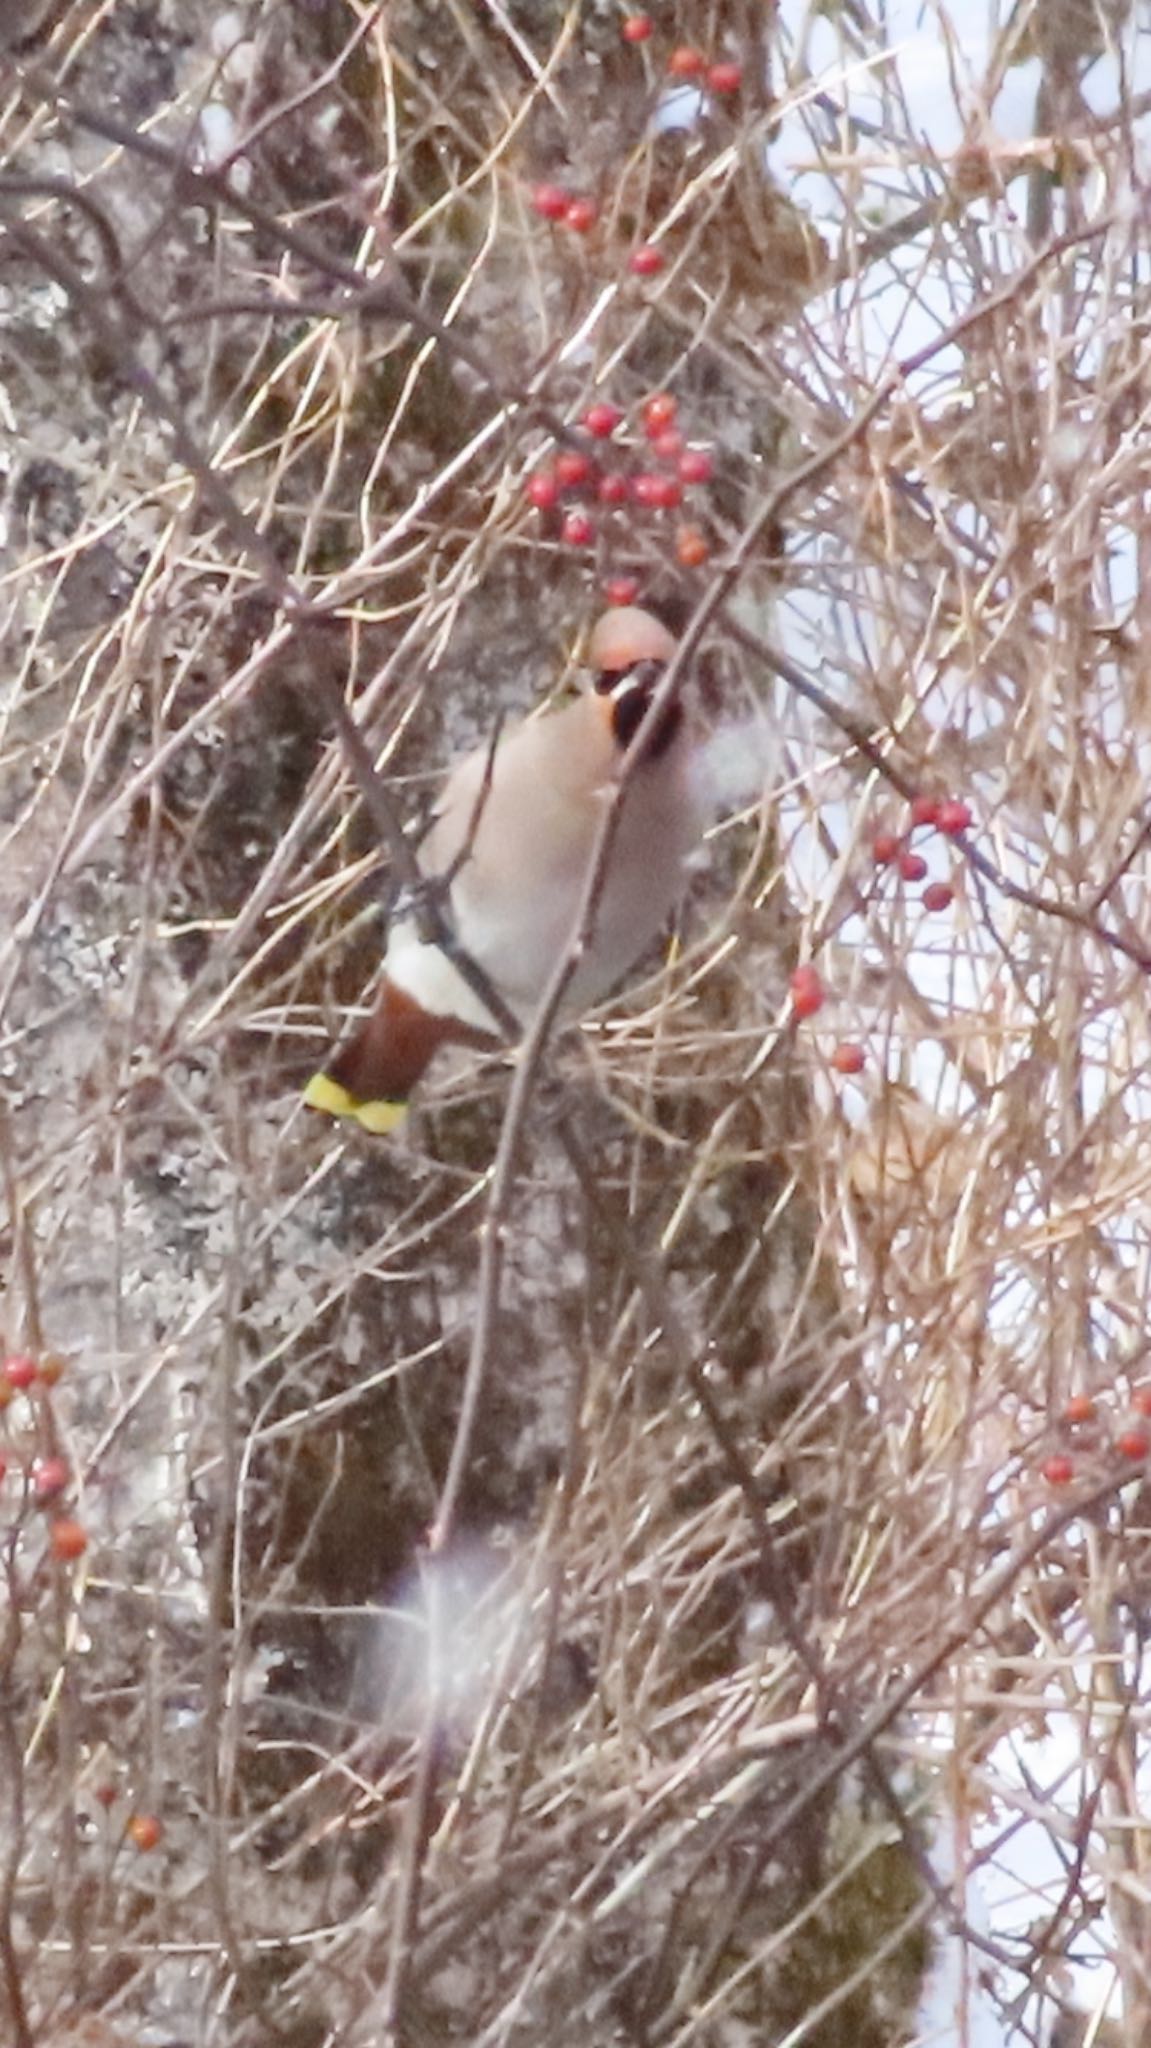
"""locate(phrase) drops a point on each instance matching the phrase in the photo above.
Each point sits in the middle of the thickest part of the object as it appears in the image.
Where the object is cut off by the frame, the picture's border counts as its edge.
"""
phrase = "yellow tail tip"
(327, 1095)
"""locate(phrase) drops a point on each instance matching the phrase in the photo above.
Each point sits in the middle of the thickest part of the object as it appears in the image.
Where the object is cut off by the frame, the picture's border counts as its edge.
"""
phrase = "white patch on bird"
(737, 763)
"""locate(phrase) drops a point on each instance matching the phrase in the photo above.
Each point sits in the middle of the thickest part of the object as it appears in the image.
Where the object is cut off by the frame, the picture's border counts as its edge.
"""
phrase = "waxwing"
(514, 830)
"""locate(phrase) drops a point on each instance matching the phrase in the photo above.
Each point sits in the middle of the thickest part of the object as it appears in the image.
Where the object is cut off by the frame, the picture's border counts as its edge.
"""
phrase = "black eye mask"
(631, 691)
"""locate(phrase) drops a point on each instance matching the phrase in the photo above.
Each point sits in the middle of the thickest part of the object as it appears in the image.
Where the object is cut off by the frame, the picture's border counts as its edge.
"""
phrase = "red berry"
(1133, 1443)
(685, 62)
(1141, 1400)
(50, 1477)
(602, 419)
(659, 412)
(954, 816)
(886, 847)
(68, 1539)
(543, 490)
(572, 469)
(849, 1059)
(19, 1370)
(636, 28)
(667, 492)
(1058, 1469)
(1080, 1408)
(104, 1794)
(581, 214)
(692, 547)
(925, 810)
(807, 992)
(912, 867)
(621, 589)
(726, 77)
(938, 895)
(613, 490)
(550, 201)
(696, 466)
(577, 530)
(144, 1831)
(646, 261)
(645, 488)
(668, 445)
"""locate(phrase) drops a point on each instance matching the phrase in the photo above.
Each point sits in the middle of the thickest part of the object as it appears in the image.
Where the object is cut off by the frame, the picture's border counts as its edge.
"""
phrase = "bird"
(510, 845)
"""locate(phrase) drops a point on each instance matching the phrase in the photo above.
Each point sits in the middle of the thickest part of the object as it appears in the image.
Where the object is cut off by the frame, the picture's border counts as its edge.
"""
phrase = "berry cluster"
(143, 1830)
(46, 1477)
(579, 213)
(576, 210)
(951, 818)
(611, 481)
(947, 815)
(723, 77)
(1086, 1429)
(808, 996)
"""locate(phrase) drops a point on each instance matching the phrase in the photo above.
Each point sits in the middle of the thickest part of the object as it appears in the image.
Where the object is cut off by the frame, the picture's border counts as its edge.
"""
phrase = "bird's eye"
(638, 675)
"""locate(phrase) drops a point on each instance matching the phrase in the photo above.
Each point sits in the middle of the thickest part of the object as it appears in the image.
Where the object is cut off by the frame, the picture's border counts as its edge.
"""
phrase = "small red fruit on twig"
(613, 490)
(581, 215)
(1058, 1469)
(646, 261)
(550, 201)
(697, 466)
(885, 848)
(636, 28)
(692, 547)
(938, 895)
(621, 589)
(954, 816)
(577, 530)
(849, 1059)
(1080, 1408)
(19, 1370)
(685, 62)
(602, 419)
(912, 867)
(925, 810)
(543, 490)
(68, 1539)
(573, 468)
(725, 77)
(144, 1831)
(1133, 1444)
(50, 1478)
(807, 991)
(659, 412)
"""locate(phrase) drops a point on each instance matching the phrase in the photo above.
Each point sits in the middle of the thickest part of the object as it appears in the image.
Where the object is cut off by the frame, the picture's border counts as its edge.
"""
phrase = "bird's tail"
(371, 1075)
